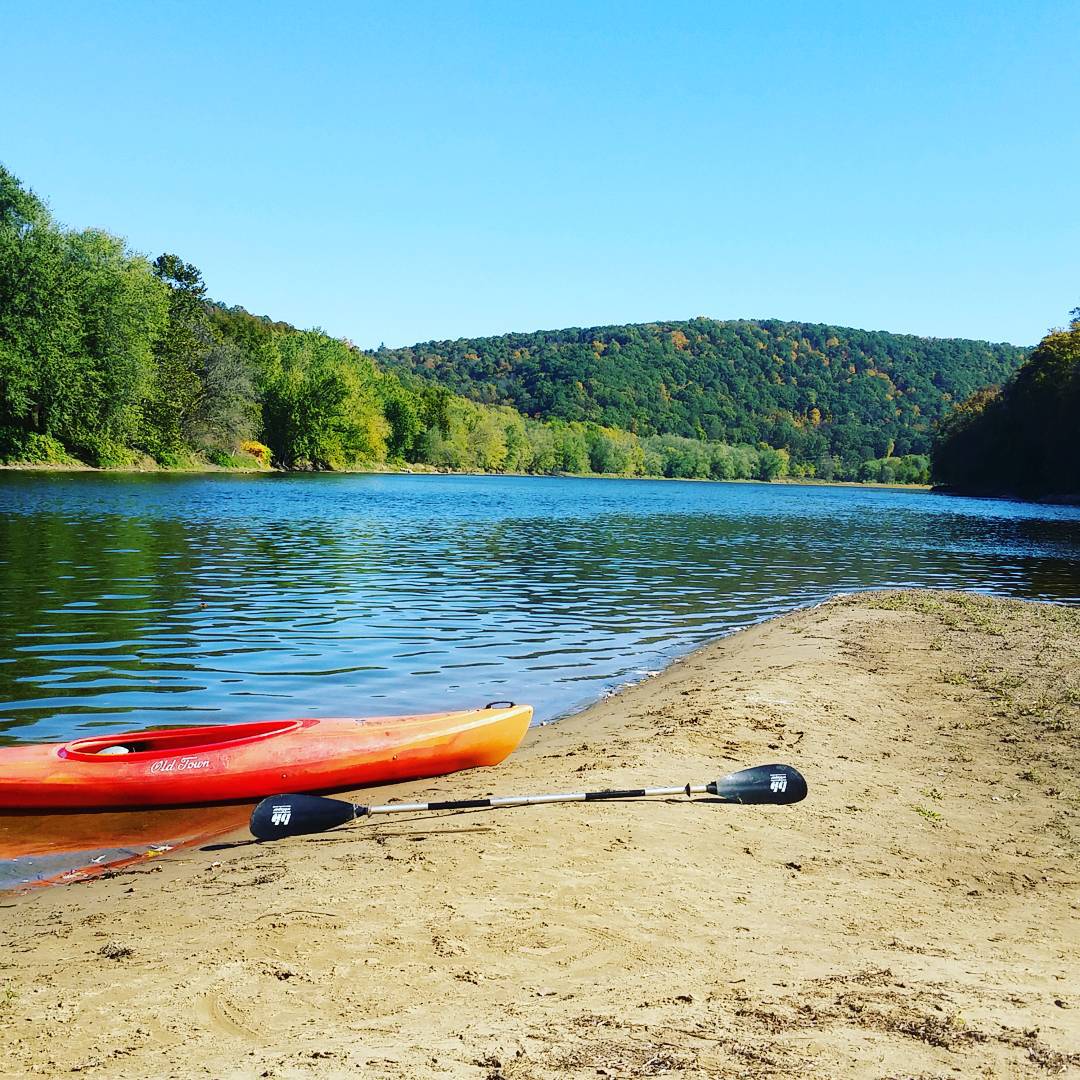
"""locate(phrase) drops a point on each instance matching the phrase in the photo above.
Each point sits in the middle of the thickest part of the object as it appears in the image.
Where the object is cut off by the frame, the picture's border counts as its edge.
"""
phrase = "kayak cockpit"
(150, 744)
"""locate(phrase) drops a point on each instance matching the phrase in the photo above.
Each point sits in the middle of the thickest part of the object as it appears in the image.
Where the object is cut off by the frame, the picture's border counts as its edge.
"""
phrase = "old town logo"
(182, 764)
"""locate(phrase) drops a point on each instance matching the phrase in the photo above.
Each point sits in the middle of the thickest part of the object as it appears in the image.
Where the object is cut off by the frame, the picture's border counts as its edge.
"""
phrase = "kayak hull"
(230, 762)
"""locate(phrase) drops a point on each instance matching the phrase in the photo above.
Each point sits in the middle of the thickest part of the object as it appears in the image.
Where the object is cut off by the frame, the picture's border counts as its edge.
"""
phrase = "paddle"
(294, 815)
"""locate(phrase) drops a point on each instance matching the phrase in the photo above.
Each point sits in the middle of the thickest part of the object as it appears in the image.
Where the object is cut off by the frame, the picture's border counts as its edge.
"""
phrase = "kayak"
(198, 765)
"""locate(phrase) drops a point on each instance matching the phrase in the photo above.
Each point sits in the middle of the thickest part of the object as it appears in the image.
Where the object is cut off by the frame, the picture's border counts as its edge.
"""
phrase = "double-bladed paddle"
(295, 815)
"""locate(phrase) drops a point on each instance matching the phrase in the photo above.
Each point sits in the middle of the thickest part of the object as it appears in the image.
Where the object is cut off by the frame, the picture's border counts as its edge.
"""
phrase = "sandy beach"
(916, 916)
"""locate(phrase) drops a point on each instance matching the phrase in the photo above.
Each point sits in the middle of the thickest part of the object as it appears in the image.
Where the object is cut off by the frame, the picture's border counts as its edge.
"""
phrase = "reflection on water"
(138, 601)
(45, 849)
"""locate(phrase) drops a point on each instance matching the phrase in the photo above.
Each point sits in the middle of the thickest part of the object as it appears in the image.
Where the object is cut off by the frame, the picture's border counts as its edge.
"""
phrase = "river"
(134, 601)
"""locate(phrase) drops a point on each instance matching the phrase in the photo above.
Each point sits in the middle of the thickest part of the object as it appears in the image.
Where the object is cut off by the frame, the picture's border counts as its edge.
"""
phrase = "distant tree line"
(112, 359)
(832, 398)
(1020, 438)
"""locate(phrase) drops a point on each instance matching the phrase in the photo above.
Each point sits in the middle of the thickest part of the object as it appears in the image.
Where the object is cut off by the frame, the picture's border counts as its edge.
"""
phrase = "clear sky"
(396, 172)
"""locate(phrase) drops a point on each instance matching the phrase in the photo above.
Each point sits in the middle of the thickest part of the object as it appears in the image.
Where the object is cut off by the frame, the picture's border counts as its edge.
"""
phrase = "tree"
(615, 452)
(122, 311)
(571, 451)
(1020, 439)
(204, 392)
(78, 318)
(20, 209)
(320, 409)
(772, 464)
(543, 452)
(38, 324)
(172, 405)
(226, 409)
(403, 417)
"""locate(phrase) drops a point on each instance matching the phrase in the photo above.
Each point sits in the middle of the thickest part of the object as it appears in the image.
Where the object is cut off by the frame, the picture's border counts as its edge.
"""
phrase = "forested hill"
(819, 391)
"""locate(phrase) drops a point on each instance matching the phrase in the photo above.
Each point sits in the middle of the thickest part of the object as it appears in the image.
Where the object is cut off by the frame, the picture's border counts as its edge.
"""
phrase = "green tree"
(772, 464)
(78, 318)
(1020, 439)
(320, 409)
(403, 416)
(543, 452)
(172, 405)
(571, 450)
(122, 310)
(518, 448)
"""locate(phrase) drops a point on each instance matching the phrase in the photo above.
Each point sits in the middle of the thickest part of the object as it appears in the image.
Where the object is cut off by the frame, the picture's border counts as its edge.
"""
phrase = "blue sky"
(400, 172)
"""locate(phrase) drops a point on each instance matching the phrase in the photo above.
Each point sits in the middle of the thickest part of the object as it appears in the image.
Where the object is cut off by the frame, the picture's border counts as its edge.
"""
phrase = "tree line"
(109, 358)
(832, 398)
(1019, 438)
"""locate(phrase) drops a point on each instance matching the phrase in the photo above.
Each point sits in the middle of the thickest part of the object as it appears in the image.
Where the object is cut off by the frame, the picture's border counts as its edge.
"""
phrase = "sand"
(917, 916)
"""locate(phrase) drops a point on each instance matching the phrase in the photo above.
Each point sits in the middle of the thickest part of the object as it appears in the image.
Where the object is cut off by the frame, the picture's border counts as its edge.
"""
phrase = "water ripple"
(138, 600)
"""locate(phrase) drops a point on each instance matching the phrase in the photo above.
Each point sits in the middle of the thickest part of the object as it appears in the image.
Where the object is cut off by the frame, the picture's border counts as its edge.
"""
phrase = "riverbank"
(427, 470)
(910, 918)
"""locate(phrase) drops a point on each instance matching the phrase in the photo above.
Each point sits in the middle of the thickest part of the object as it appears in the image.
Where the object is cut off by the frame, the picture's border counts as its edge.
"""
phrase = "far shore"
(910, 918)
(429, 470)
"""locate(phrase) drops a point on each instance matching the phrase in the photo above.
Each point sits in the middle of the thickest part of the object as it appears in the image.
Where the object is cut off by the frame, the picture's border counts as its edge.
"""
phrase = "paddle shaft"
(529, 800)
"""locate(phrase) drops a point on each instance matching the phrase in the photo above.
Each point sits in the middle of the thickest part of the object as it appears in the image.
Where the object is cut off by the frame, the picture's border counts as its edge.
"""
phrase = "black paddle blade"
(777, 784)
(294, 815)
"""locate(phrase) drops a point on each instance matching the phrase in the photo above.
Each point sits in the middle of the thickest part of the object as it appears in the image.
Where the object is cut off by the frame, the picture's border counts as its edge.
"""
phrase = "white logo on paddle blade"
(280, 814)
(777, 782)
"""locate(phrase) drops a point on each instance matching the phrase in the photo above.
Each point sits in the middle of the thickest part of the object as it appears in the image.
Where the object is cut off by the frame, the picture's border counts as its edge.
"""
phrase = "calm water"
(132, 601)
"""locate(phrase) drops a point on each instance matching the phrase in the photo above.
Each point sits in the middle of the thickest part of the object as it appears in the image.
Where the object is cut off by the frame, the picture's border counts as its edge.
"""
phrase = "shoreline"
(905, 919)
(424, 470)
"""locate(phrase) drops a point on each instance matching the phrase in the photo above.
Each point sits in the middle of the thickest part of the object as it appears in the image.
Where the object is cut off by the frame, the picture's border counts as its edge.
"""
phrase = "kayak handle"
(499, 704)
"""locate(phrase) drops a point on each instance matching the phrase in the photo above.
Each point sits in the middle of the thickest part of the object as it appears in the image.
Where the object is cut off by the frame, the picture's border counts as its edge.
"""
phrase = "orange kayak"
(185, 766)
